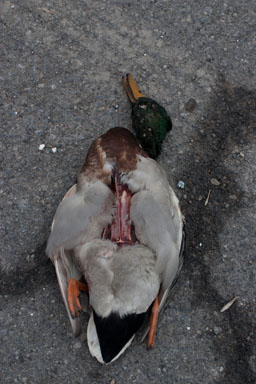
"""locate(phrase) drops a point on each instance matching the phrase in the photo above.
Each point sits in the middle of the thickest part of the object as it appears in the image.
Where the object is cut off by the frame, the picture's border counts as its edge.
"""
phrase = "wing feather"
(61, 272)
(81, 217)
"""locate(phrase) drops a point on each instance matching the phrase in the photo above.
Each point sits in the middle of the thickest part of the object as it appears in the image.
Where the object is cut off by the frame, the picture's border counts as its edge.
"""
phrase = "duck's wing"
(80, 217)
(158, 221)
(157, 228)
(160, 227)
(65, 268)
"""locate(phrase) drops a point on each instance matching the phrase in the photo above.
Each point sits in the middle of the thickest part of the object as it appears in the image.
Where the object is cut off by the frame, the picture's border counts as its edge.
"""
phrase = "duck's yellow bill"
(131, 88)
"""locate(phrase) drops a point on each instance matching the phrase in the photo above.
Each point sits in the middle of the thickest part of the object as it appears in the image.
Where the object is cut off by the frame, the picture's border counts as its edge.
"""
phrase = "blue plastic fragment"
(181, 184)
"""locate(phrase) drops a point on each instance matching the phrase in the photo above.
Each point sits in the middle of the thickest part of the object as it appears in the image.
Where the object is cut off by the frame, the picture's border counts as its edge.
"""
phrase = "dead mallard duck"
(118, 236)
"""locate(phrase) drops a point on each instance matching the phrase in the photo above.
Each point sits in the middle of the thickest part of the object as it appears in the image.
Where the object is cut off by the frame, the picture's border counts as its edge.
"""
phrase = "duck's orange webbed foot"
(153, 323)
(74, 288)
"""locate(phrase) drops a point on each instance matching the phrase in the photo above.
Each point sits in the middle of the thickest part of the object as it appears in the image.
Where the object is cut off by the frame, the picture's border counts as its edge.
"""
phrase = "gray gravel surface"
(60, 71)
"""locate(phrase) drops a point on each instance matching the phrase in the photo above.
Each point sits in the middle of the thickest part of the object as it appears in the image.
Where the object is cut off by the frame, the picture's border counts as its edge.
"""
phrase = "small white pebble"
(188, 328)
(215, 181)
(200, 244)
(54, 149)
(41, 147)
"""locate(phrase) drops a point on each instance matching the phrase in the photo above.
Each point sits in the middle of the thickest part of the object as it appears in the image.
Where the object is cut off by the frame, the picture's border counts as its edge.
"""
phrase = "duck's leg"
(74, 288)
(153, 323)
(131, 88)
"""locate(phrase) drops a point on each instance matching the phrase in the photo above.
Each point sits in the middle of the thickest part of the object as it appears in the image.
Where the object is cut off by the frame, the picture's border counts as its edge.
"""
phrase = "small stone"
(217, 330)
(221, 369)
(215, 182)
(77, 345)
(190, 105)
(41, 147)
(214, 372)
(232, 197)
(54, 149)
(25, 138)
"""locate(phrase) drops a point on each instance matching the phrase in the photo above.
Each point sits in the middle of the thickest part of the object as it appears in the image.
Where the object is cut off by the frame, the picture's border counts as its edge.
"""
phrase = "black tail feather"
(114, 332)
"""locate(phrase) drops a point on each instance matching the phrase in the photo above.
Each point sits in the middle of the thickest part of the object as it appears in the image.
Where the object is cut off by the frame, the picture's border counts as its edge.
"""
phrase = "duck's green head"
(149, 119)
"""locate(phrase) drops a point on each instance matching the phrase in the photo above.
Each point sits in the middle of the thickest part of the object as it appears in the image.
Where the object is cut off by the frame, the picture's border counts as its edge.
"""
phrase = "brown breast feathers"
(116, 148)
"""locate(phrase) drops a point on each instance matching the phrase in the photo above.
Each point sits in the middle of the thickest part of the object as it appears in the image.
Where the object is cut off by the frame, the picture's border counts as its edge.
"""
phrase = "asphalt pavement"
(61, 65)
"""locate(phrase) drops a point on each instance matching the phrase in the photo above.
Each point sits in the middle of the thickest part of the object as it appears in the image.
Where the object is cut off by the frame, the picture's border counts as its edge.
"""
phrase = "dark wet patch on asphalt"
(230, 121)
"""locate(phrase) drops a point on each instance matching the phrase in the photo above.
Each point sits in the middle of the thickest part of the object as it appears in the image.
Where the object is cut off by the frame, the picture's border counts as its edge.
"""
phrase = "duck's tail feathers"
(109, 337)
